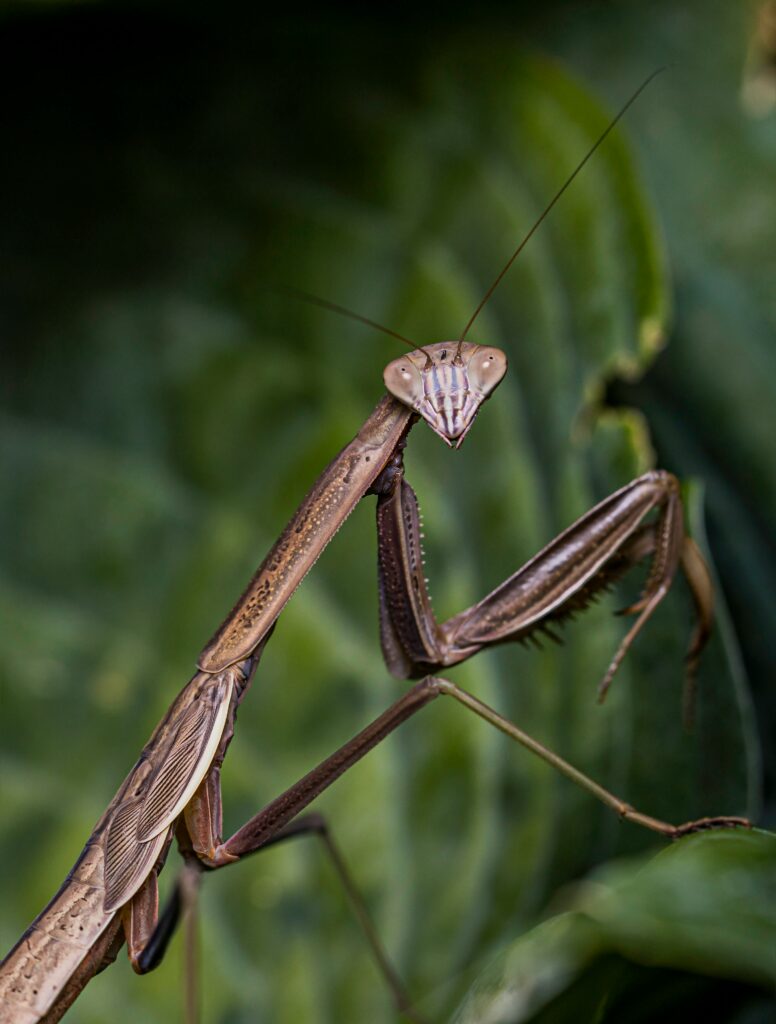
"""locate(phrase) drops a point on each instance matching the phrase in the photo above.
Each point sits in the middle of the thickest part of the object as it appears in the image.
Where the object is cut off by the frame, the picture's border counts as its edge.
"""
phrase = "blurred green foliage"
(578, 964)
(165, 408)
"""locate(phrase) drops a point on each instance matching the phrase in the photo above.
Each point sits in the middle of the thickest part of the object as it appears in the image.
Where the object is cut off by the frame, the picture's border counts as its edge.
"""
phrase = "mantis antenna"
(334, 308)
(550, 205)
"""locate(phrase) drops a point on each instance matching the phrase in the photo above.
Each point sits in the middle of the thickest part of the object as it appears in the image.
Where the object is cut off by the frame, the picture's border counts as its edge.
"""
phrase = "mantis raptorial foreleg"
(561, 579)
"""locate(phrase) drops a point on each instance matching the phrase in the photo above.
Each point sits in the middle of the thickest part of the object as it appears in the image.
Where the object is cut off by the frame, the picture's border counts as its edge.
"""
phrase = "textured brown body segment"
(63, 936)
(37, 968)
(326, 507)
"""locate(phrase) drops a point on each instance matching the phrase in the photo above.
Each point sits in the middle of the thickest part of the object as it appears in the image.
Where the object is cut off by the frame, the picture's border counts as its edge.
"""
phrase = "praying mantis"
(174, 789)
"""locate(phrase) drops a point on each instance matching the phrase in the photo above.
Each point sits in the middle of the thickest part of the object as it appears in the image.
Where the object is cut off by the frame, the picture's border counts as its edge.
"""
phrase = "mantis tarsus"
(111, 893)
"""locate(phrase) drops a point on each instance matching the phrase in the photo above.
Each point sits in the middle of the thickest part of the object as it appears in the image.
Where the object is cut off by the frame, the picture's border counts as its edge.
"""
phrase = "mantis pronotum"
(111, 894)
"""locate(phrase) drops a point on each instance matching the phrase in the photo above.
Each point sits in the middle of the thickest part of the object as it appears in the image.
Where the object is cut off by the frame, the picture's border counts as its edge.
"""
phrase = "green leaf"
(655, 914)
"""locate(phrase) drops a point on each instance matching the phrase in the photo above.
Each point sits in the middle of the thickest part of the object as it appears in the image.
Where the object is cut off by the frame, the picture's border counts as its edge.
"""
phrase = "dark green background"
(164, 409)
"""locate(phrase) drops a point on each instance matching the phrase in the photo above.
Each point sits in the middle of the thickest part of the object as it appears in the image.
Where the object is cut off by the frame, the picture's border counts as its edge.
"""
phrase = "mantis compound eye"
(403, 380)
(485, 369)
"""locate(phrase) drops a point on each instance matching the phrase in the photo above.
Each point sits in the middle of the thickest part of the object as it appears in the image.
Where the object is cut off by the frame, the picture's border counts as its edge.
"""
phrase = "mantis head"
(446, 384)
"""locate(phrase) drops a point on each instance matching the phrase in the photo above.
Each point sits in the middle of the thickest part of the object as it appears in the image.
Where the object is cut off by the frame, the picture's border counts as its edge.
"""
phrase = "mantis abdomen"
(57, 941)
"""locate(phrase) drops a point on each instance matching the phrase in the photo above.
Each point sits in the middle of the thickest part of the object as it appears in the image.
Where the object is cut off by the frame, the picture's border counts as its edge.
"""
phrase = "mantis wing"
(127, 861)
(138, 827)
